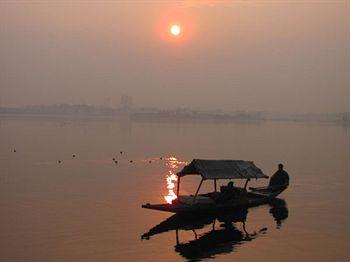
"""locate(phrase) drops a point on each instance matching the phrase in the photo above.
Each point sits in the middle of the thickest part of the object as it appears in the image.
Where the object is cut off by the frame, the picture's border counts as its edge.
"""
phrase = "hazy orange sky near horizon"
(273, 56)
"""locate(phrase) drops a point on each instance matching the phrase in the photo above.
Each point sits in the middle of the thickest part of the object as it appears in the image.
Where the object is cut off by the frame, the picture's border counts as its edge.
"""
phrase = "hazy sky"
(279, 56)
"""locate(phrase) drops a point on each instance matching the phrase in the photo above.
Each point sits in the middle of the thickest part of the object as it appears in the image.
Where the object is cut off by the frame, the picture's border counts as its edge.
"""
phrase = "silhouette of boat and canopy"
(229, 197)
(226, 208)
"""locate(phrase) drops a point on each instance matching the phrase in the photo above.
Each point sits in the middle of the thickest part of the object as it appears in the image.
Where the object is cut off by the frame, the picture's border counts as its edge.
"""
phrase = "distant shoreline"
(161, 115)
(166, 119)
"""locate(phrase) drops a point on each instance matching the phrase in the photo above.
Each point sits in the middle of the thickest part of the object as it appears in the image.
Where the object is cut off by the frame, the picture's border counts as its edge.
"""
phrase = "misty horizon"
(249, 56)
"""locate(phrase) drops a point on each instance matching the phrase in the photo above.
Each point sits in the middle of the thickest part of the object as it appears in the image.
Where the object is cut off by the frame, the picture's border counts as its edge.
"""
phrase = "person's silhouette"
(279, 178)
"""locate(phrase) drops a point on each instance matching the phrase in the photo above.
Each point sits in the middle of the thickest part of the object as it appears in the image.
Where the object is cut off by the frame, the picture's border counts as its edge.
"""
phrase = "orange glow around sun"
(175, 27)
(175, 30)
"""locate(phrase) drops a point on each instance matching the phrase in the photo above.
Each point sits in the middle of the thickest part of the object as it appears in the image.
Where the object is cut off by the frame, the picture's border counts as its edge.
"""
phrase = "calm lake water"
(87, 208)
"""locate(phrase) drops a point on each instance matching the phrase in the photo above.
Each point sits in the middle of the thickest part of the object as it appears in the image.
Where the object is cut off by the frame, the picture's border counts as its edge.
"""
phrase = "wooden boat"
(213, 201)
(192, 221)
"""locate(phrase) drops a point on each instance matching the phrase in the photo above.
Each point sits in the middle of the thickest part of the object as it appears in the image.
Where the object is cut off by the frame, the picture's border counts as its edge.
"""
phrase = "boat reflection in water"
(279, 211)
(227, 231)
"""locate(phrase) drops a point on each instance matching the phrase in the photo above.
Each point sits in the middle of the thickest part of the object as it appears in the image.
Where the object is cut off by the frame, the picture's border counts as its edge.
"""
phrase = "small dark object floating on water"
(14, 150)
(161, 158)
(230, 196)
(113, 159)
(131, 161)
(59, 161)
(150, 161)
(121, 152)
(73, 155)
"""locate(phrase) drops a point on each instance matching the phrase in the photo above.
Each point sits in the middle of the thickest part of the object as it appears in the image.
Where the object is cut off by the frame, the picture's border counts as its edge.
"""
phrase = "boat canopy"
(222, 169)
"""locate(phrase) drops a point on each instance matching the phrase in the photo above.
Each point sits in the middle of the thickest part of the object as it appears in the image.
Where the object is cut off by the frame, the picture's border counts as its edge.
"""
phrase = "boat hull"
(254, 198)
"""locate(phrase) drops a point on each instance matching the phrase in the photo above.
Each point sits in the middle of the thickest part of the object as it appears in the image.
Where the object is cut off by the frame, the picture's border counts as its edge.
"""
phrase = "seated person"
(228, 192)
(280, 178)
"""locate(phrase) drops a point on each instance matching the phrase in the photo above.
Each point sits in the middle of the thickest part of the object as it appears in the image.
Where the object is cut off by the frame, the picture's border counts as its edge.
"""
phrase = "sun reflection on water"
(173, 164)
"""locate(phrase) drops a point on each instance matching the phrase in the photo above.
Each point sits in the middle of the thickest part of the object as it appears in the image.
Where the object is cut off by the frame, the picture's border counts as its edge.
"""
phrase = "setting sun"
(175, 30)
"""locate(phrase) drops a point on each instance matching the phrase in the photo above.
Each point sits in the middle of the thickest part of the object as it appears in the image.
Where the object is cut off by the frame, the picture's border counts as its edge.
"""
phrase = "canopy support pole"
(215, 185)
(177, 236)
(246, 183)
(178, 187)
(195, 196)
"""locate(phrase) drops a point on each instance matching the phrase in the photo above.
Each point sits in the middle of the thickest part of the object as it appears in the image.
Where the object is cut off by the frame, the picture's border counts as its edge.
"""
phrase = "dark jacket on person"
(279, 178)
